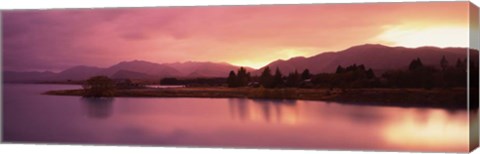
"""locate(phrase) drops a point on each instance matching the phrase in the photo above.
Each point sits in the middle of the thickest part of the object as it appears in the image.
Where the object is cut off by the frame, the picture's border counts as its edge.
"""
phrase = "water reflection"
(365, 116)
(263, 110)
(99, 108)
(32, 117)
(437, 130)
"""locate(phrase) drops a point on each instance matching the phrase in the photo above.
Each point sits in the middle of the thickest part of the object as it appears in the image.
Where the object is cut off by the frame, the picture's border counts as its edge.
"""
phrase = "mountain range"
(375, 56)
(135, 69)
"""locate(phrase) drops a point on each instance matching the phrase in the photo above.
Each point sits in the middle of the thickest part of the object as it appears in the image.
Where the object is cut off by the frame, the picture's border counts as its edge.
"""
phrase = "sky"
(253, 36)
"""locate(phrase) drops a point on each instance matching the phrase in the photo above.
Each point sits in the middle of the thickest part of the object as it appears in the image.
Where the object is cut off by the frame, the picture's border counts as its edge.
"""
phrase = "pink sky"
(241, 35)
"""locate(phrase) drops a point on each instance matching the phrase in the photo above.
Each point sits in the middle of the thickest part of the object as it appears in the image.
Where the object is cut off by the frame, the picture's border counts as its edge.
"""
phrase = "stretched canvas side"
(474, 39)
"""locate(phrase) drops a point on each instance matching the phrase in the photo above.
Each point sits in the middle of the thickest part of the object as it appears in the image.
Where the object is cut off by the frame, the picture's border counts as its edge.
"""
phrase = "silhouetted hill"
(124, 74)
(135, 69)
(205, 69)
(377, 57)
(78, 73)
(12, 76)
(153, 69)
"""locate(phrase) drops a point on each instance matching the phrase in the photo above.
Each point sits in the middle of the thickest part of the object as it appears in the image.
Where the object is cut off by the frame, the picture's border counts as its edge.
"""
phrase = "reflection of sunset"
(264, 123)
(270, 112)
(435, 133)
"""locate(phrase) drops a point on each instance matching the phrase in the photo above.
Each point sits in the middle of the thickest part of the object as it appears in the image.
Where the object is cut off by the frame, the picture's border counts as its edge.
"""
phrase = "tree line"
(417, 75)
(268, 80)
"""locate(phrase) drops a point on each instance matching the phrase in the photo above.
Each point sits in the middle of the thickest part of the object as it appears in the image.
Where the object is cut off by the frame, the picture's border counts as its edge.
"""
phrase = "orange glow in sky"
(242, 35)
(429, 36)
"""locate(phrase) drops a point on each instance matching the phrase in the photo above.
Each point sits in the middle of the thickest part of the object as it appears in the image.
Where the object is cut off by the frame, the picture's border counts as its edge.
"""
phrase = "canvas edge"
(1, 79)
(474, 42)
(474, 38)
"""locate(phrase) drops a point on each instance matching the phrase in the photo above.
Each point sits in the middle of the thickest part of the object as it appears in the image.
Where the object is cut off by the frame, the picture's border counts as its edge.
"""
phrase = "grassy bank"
(438, 98)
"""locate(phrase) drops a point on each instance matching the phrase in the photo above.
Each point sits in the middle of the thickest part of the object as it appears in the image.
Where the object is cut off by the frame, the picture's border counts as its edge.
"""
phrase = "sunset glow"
(365, 76)
(430, 36)
(279, 54)
(241, 35)
(249, 63)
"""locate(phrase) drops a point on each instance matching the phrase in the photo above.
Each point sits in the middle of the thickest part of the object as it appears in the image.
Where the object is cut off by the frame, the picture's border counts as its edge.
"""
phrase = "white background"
(83, 149)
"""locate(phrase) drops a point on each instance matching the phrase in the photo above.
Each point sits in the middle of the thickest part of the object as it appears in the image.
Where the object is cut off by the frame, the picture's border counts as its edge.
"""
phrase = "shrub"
(99, 86)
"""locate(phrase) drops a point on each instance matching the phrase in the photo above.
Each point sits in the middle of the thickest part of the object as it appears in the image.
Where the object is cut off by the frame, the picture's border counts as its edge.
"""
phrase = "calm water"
(30, 116)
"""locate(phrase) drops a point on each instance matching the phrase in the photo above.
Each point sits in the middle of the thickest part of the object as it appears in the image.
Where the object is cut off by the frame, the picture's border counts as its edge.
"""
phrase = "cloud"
(58, 39)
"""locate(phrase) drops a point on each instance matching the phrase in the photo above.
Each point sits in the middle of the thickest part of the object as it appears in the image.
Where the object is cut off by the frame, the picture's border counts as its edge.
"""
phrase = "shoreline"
(435, 98)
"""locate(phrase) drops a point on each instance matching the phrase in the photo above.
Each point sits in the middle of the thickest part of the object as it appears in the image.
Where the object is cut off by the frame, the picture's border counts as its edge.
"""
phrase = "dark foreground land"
(454, 98)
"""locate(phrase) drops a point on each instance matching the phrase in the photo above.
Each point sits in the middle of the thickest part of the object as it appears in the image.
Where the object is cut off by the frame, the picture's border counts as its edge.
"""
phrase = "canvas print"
(361, 76)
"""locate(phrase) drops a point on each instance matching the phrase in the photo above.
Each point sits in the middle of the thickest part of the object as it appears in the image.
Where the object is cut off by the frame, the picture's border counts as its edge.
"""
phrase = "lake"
(29, 116)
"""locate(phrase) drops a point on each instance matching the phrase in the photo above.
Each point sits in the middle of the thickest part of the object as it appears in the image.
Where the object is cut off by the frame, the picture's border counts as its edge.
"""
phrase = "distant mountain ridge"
(153, 69)
(205, 69)
(136, 69)
(375, 56)
(33, 76)
(77, 73)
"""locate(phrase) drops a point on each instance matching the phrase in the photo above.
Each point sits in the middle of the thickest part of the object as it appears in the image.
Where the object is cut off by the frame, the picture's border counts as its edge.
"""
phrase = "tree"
(415, 64)
(444, 63)
(361, 67)
(170, 81)
(293, 79)
(340, 69)
(243, 77)
(424, 77)
(370, 74)
(277, 78)
(461, 64)
(99, 86)
(306, 74)
(266, 78)
(232, 79)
